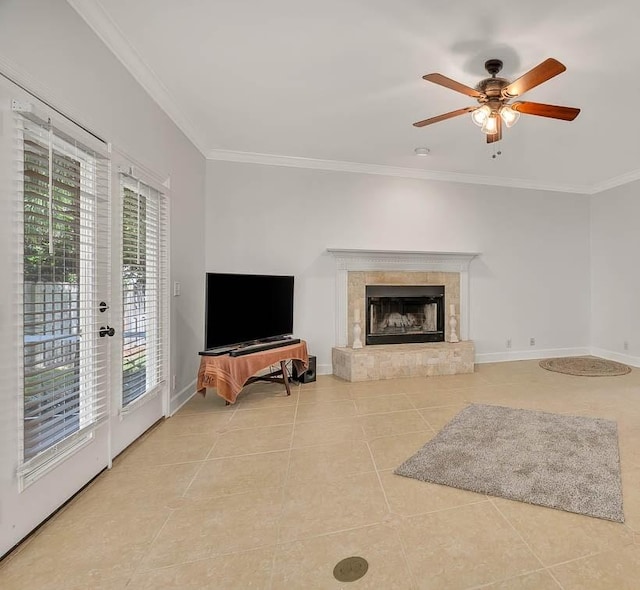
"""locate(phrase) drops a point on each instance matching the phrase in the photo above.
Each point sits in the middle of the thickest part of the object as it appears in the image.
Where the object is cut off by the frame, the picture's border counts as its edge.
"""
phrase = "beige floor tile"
(383, 404)
(312, 412)
(407, 496)
(628, 445)
(432, 399)
(521, 390)
(631, 498)
(541, 580)
(312, 509)
(378, 388)
(500, 372)
(326, 394)
(234, 475)
(309, 563)
(55, 579)
(165, 450)
(251, 569)
(438, 418)
(463, 547)
(148, 521)
(378, 425)
(262, 417)
(205, 423)
(129, 490)
(253, 440)
(613, 570)
(329, 462)
(556, 536)
(274, 396)
(463, 381)
(198, 404)
(364, 391)
(202, 529)
(325, 381)
(390, 451)
(340, 430)
(98, 551)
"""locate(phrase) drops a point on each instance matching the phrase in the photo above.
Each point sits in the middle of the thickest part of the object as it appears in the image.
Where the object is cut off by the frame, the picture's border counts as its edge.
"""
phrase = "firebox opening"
(404, 313)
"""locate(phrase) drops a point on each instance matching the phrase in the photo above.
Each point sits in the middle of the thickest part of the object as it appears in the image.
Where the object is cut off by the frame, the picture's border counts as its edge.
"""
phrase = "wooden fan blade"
(445, 116)
(452, 85)
(497, 136)
(546, 110)
(541, 73)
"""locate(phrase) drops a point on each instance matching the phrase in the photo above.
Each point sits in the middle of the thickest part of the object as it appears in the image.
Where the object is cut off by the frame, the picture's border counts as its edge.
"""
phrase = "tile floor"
(273, 491)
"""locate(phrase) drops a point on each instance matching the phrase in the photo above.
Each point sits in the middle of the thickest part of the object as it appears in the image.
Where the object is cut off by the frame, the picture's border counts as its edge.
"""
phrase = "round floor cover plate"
(350, 569)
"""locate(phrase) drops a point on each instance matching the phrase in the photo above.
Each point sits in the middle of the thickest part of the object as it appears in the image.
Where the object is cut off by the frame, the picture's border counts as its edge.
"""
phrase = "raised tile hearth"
(390, 361)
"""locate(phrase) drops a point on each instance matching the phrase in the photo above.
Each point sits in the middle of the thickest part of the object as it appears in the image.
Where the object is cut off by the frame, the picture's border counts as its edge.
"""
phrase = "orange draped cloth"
(228, 374)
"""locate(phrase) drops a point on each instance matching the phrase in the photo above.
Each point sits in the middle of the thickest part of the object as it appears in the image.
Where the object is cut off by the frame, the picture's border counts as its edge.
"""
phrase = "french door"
(139, 291)
(84, 302)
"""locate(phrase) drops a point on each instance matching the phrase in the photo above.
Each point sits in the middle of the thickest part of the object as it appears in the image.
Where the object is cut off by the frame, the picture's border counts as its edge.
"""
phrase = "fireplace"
(397, 314)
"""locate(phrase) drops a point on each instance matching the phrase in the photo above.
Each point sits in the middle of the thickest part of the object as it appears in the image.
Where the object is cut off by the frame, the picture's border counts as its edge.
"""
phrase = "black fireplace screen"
(404, 313)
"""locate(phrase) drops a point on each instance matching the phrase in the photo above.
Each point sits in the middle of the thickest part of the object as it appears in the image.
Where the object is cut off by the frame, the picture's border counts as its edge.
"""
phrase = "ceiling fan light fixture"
(494, 94)
(479, 116)
(509, 115)
(490, 125)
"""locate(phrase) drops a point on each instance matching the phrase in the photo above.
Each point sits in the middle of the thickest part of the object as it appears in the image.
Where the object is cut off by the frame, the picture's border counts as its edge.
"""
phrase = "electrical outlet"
(508, 342)
(177, 289)
(173, 383)
(532, 341)
(626, 345)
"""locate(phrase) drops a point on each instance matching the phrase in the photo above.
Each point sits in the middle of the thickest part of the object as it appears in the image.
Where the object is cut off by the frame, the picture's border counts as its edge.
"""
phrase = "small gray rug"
(565, 462)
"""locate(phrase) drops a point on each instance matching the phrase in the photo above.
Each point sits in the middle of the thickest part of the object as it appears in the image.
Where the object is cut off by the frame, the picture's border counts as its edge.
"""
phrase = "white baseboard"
(324, 369)
(627, 359)
(182, 397)
(525, 355)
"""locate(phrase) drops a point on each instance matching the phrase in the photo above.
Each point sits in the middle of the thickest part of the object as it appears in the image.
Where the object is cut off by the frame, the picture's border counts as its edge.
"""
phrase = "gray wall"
(531, 280)
(615, 280)
(50, 47)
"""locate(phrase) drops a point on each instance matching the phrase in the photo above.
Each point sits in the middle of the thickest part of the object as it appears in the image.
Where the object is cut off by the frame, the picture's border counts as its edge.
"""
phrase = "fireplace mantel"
(403, 260)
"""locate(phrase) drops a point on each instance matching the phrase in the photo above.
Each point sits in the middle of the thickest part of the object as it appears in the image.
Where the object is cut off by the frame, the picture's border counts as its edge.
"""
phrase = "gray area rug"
(565, 462)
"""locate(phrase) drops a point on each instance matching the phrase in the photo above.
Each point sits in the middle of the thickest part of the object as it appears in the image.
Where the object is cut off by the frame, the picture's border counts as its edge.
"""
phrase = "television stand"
(229, 374)
(280, 375)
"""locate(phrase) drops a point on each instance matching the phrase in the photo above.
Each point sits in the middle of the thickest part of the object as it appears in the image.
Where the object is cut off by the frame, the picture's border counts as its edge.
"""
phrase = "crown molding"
(615, 181)
(93, 13)
(380, 169)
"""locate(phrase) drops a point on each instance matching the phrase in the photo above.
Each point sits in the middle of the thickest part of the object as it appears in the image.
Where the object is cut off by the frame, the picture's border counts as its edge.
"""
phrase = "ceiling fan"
(493, 95)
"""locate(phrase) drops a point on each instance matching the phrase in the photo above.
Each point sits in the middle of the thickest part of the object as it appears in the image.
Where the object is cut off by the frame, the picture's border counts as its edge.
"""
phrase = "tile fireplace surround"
(357, 268)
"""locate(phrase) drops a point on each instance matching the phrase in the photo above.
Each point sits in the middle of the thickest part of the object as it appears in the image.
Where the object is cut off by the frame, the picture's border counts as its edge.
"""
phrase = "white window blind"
(63, 198)
(144, 289)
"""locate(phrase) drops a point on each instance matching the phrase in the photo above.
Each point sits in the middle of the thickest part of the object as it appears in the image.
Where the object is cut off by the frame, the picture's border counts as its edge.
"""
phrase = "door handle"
(106, 331)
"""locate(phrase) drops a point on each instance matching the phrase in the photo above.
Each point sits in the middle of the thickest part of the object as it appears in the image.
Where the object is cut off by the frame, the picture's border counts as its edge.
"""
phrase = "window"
(65, 228)
(144, 286)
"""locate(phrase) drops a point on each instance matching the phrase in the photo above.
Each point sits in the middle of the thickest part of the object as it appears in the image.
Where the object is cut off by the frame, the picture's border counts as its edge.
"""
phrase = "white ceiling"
(337, 83)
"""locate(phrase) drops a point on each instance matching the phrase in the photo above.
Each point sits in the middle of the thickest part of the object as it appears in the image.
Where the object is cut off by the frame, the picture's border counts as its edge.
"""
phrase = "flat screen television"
(242, 308)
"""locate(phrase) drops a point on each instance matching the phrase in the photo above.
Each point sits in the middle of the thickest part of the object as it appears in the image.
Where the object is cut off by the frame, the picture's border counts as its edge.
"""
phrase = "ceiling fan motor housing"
(493, 66)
